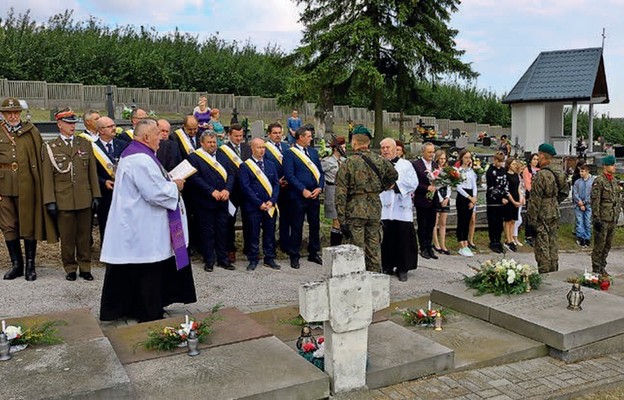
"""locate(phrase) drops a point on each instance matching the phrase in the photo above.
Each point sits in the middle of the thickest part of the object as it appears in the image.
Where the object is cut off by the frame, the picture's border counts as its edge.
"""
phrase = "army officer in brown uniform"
(21, 204)
(70, 191)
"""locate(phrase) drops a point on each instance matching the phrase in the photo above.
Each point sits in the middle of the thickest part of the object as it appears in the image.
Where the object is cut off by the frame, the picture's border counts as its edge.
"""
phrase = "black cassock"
(399, 247)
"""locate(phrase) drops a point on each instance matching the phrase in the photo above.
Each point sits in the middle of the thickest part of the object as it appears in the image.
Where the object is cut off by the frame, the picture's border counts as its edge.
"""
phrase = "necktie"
(237, 148)
(109, 149)
(69, 142)
(261, 165)
(279, 147)
(305, 150)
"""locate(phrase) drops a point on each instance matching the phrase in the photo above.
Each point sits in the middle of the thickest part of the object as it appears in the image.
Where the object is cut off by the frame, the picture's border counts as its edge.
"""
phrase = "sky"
(501, 37)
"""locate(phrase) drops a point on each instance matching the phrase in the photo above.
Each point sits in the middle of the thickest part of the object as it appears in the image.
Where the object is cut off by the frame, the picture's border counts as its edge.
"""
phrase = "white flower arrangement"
(505, 276)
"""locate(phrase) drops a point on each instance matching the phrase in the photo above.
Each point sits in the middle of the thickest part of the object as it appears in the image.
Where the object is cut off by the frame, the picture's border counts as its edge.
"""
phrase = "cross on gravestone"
(401, 120)
(345, 301)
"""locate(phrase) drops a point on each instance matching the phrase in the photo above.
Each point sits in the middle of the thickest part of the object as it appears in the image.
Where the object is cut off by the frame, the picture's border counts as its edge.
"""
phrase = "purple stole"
(176, 230)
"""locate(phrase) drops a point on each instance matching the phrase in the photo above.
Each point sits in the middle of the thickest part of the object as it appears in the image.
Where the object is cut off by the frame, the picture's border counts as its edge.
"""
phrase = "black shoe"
(315, 258)
(512, 246)
(252, 266)
(438, 250)
(272, 264)
(402, 276)
(496, 247)
(432, 254)
(209, 267)
(86, 276)
(424, 254)
(71, 276)
(227, 266)
(448, 253)
(472, 246)
(294, 262)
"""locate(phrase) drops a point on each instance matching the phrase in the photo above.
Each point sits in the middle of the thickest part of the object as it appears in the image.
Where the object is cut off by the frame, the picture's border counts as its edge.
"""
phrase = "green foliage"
(40, 333)
(611, 129)
(504, 277)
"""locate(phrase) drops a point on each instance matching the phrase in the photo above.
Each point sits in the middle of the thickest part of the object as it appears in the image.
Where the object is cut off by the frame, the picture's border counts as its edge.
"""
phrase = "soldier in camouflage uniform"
(606, 204)
(357, 197)
(547, 190)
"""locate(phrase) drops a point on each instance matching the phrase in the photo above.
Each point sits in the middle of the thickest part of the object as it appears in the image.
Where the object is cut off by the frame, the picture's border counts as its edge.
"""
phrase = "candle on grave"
(3, 326)
(429, 305)
(186, 320)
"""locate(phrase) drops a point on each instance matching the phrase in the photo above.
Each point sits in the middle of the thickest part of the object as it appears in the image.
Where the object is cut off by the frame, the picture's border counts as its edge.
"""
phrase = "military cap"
(362, 130)
(608, 160)
(547, 148)
(66, 115)
(11, 104)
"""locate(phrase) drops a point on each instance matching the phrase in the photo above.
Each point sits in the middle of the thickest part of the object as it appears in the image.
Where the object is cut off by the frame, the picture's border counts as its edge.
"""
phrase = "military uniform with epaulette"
(358, 204)
(21, 207)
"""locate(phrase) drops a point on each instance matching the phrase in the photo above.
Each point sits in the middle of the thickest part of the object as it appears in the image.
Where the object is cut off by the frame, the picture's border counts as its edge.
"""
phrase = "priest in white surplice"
(145, 243)
(399, 246)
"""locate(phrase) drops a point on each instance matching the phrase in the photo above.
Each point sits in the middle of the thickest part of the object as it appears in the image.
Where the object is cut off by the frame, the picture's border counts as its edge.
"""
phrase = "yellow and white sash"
(103, 159)
(130, 132)
(214, 164)
(264, 181)
(308, 163)
(186, 142)
(231, 154)
(88, 136)
(275, 151)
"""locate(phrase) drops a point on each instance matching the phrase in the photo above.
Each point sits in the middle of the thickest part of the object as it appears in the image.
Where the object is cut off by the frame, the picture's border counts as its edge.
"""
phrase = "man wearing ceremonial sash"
(209, 193)
(235, 151)
(303, 171)
(260, 183)
(168, 151)
(107, 150)
(71, 193)
(147, 262)
(137, 115)
(186, 137)
(275, 153)
(90, 119)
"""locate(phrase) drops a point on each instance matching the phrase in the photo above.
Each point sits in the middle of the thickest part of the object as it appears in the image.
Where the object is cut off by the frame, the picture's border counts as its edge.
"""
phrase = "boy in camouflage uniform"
(606, 204)
(357, 197)
(547, 189)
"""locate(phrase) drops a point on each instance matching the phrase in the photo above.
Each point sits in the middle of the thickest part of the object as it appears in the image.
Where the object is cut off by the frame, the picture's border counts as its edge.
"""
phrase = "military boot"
(30, 248)
(17, 261)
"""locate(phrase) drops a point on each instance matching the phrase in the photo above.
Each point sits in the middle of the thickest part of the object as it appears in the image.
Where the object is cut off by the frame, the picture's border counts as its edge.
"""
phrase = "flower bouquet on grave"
(592, 280)
(422, 317)
(503, 277)
(169, 338)
(314, 353)
(20, 337)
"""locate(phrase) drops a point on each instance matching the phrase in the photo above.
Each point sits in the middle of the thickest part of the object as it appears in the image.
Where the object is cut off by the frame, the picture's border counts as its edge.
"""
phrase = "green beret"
(608, 160)
(547, 148)
(362, 130)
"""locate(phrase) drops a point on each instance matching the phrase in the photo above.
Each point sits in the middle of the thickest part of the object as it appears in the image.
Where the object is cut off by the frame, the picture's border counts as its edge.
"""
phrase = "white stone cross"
(345, 301)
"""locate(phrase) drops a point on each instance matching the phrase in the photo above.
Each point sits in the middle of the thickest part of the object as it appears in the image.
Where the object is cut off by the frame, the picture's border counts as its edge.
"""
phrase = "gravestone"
(461, 142)
(257, 129)
(345, 301)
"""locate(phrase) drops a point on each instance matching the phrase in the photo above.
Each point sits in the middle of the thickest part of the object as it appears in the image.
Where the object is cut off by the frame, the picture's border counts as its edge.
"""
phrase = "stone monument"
(257, 129)
(345, 301)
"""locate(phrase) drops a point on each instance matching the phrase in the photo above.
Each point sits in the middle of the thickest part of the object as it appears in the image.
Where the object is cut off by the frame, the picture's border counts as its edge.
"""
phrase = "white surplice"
(398, 206)
(137, 229)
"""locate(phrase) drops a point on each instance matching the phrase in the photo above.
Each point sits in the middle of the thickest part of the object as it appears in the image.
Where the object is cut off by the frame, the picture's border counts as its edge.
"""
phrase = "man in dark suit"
(303, 171)
(275, 149)
(186, 137)
(107, 150)
(424, 200)
(137, 115)
(209, 192)
(236, 152)
(260, 185)
(168, 152)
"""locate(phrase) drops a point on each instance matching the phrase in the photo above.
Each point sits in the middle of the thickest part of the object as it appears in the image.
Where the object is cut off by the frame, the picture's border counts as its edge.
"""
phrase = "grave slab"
(542, 314)
(234, 327)
(84, 366)
(257, 369)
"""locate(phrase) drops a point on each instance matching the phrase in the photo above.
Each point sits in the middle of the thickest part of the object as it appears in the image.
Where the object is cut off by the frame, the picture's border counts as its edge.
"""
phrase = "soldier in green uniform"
(547, 190)
(606, 205)
(21, 207)
(359, 181)
(70, 192)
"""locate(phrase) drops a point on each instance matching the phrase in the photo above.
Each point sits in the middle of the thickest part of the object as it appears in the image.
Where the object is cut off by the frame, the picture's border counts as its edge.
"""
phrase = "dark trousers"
(495, 222)
(425, 218)
(211, 238)
(299, 210)
(283, 202)
(256, 220)
(75, 232)
(464, 214)
(102, 215)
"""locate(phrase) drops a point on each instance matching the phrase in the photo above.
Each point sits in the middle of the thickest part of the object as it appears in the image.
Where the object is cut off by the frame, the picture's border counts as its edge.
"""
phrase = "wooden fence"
(45, 95)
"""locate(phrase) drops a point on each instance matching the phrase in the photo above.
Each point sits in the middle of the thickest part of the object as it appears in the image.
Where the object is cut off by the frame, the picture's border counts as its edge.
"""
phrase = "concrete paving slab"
(264, 368)
(234, 327)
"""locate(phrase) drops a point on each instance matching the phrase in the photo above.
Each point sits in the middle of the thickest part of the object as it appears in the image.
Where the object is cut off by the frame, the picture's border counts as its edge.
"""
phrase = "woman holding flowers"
(442, 205)
(466, 201)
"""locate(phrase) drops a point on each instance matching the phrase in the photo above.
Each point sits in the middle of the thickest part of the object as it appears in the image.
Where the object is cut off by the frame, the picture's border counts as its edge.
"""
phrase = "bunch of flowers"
(479, 167)
(481, 135)
(314, 353)
(504, 277)
(168, 337)
(446, 176)
(422, 317)
(40, 333)
(427, 133)
(592, 280)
